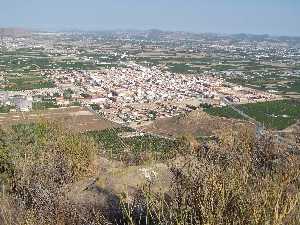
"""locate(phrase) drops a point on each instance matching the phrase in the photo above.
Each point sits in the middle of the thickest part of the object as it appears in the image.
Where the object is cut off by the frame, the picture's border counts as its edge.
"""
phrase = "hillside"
(52, 175)
(196, 123)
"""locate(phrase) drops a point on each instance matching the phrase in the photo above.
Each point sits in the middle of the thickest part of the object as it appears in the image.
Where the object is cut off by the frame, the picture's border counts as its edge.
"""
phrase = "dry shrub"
(235, 180)
(43, 159)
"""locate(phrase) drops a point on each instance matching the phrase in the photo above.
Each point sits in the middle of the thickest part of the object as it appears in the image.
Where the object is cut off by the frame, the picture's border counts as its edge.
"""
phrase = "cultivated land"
(274, 114)
(75, 118)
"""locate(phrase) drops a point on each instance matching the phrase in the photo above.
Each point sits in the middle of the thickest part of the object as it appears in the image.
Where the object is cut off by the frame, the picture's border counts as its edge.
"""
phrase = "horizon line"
(66, 30)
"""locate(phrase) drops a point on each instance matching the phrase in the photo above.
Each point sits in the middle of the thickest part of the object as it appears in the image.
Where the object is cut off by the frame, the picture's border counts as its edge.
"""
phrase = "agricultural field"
(116, 145)
(262, 74)
(107, 134)
(184, 65)
(277, 81)
(75, 118)
(25, 82)
(274, 114)
(4, 109)
(43, 105)
(21, 68)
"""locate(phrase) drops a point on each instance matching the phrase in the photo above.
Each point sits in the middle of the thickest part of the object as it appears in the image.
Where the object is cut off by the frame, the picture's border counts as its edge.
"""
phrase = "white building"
(22, 103)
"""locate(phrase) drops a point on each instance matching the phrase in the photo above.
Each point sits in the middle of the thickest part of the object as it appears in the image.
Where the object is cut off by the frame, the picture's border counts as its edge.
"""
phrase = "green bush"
(37, 162)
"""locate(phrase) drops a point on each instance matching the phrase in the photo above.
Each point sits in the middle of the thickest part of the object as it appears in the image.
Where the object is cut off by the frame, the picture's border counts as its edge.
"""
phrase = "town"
(134, 81)
(149, 112)
(135, 94)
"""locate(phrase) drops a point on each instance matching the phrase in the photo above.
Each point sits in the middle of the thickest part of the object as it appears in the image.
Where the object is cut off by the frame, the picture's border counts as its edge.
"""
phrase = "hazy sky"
(279, 17)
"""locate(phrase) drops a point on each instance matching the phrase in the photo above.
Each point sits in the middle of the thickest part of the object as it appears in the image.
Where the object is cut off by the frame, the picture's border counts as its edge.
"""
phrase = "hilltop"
(50, 174)
(197, 123)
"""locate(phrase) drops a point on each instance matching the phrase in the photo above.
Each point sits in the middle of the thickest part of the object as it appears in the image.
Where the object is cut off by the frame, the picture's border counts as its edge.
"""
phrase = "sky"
(275, 17)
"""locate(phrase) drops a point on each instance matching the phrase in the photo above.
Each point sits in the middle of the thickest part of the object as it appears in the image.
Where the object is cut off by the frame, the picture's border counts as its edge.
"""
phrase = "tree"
(68, 94)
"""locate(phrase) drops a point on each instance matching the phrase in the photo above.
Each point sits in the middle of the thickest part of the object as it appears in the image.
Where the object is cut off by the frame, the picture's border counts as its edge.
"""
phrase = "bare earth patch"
(75, 118)
(197, 123)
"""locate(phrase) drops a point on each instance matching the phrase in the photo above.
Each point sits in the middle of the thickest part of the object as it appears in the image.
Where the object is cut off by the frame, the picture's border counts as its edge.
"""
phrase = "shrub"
(232, 179)
(42, 159)
(237, 180)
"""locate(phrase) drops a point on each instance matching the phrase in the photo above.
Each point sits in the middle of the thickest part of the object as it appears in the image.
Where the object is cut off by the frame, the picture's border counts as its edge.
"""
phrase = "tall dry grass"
(234, 180)
(38, 161)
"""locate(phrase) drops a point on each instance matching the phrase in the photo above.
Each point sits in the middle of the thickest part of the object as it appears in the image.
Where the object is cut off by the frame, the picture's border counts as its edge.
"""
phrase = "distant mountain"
(14, 32)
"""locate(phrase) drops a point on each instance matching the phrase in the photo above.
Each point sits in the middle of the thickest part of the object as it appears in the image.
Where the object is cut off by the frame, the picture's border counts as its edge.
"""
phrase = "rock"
(127, 181)
(116, 184)
(86, 195)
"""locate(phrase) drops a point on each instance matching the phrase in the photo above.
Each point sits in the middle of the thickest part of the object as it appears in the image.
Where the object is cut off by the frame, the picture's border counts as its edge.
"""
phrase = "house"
(22, 103)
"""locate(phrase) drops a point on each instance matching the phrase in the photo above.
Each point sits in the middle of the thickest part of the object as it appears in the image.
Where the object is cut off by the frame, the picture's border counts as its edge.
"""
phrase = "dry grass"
(40, 161)
(236, 179)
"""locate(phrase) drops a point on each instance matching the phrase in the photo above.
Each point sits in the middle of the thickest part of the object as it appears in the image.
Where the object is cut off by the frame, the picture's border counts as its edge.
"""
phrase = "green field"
(115, 146)
(22, 70)
(180, 68)
(291, 86)
(44, 105)
(22, 67)
(4, 109)
(27, 83)
(275, 114)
